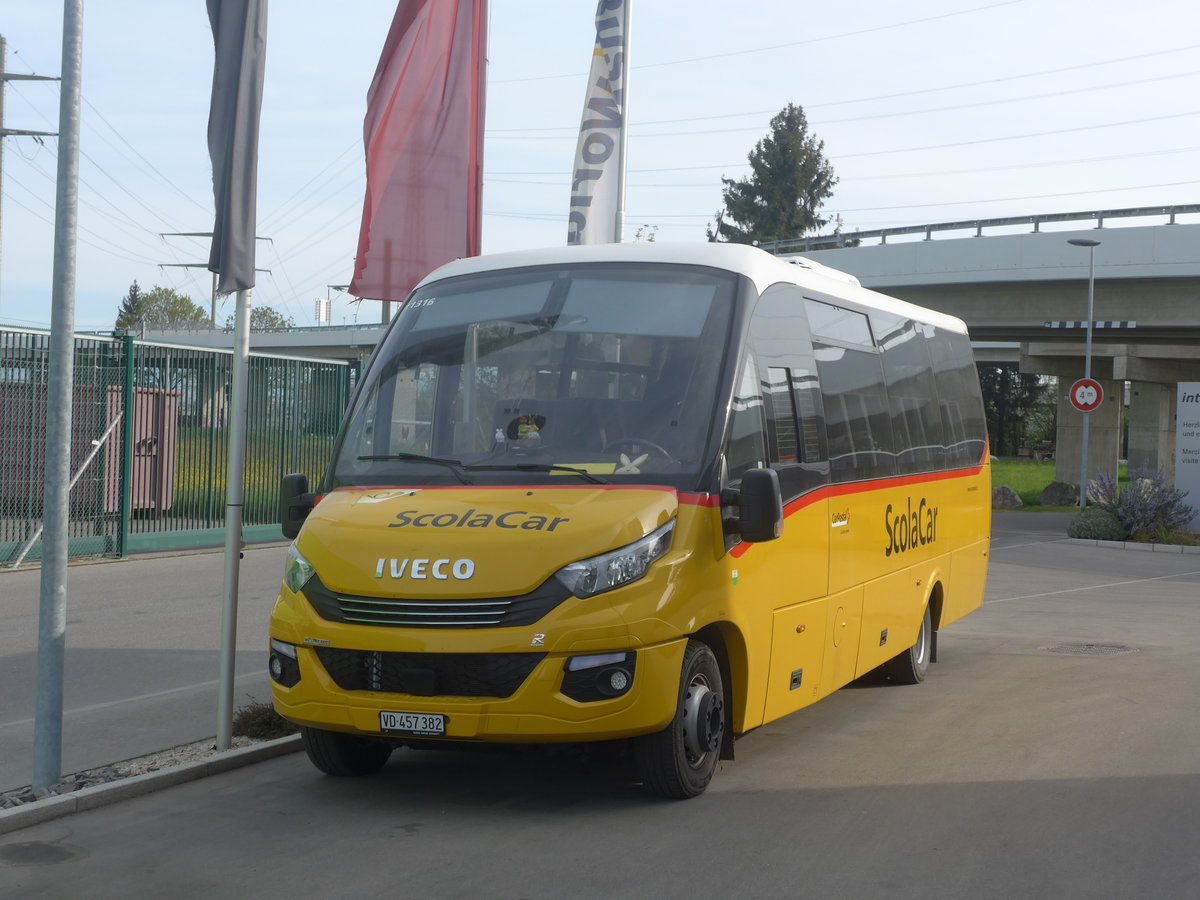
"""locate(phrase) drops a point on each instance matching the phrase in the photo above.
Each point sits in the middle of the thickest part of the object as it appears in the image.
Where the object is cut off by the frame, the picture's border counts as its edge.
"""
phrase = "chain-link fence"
(149, 441)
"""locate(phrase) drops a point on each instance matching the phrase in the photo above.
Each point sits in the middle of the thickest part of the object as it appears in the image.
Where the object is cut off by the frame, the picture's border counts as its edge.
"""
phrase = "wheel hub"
(703, 721)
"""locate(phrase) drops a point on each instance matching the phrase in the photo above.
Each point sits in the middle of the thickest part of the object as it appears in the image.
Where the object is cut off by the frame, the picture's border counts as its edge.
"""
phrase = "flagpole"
(234, 507)
(52, 607)
(239, 41)
(623, 143)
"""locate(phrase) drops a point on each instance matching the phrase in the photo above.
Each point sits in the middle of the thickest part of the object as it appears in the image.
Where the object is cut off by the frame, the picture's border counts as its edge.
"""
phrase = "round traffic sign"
(1086, 394)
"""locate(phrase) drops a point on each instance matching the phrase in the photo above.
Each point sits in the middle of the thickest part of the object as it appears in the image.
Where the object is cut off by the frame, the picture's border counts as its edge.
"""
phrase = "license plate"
(426, 724)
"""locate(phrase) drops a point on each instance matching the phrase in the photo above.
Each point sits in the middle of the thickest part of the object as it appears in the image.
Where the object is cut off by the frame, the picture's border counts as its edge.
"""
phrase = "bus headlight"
(297, 570)
(589, 577)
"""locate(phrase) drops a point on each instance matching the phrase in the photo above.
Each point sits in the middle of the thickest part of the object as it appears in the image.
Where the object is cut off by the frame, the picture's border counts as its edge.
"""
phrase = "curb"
(1134, 545)
(98, 795)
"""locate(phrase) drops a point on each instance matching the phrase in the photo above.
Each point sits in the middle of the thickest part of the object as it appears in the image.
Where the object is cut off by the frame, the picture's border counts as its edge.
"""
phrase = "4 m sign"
(1086, 394)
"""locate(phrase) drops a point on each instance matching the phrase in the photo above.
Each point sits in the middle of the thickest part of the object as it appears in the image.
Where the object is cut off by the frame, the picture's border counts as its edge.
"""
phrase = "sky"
(937, 111)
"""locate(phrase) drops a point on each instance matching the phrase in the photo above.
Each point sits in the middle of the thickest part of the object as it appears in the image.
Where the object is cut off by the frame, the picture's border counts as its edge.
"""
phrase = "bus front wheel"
(679, 761)
(335, 753)
(910, 666)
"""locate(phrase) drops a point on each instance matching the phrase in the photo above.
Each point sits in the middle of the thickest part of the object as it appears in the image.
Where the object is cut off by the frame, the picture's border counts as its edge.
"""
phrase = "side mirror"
(295, 503)
(761, 506)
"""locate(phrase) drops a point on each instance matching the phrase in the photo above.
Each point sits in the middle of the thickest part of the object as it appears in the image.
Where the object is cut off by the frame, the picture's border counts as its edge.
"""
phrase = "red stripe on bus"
(863, 487)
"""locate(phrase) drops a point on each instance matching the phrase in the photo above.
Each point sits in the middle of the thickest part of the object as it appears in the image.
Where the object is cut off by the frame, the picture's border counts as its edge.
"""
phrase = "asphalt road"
(143, 655)
(1027, 765)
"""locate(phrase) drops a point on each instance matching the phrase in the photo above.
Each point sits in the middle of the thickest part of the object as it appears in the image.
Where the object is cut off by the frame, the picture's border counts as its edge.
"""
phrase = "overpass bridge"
(1021, 289)
(1024, 298)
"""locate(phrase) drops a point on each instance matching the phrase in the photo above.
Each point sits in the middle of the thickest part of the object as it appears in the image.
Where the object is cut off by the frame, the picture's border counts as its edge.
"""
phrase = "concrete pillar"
(1104, 434)
(1152, 428)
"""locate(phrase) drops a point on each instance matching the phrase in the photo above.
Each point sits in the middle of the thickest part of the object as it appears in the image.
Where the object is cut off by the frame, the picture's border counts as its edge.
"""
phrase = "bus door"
(796, 566)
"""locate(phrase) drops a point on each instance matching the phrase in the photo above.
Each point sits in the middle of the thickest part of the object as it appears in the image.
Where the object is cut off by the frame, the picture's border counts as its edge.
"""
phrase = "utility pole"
(207, 234)
(5, 77)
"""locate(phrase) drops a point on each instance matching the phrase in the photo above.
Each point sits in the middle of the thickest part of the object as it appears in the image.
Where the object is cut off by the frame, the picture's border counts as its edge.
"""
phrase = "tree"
(1009, 400)
(132, 309)
(263, 318)
(160, 308)
(789, 180)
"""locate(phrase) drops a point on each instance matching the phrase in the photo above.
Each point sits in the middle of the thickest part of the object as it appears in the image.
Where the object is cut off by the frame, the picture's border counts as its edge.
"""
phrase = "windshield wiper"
(454, 465)
(538, 467)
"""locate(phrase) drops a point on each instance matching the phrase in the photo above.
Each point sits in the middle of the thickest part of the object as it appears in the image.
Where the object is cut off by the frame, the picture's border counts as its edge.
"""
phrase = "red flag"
(424, 142)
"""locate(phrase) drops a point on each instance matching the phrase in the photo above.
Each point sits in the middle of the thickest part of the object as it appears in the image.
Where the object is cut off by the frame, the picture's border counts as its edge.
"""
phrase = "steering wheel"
(640, 442)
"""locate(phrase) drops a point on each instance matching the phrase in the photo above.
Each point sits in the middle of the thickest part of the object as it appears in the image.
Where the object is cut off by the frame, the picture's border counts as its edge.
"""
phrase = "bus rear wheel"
(679, 761)
(910, 666)
(335, 753)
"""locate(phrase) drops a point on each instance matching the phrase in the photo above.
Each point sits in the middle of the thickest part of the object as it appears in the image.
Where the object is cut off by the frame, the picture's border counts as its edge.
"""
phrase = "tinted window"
(959, 401)
(856, 413)
(747, 432)
(780, 337)
(837, 324)
(912, 395)
(857, 420)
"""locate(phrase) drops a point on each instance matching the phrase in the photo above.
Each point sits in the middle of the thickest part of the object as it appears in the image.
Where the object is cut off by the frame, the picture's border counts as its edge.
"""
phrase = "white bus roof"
(760, 267)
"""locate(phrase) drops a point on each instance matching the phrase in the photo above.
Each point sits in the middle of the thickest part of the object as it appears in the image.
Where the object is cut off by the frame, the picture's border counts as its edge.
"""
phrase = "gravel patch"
(153, 762)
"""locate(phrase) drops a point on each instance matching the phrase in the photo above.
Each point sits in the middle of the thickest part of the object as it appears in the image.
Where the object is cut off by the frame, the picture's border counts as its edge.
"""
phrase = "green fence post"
(125, 512)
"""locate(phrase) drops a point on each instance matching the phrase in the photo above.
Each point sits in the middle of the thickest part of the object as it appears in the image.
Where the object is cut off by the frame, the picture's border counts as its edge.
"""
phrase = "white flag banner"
(598, 180)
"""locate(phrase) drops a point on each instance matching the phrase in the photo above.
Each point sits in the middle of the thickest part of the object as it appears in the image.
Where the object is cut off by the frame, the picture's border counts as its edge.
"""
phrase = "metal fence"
(149, 441)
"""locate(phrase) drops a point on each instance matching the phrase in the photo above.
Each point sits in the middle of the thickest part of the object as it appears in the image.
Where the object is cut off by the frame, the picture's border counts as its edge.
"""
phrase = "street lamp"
(1087, 362)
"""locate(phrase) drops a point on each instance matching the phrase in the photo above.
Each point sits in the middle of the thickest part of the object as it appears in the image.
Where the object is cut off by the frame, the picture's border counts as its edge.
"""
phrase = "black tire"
(679, 761)
(910, 666)
(335, 753)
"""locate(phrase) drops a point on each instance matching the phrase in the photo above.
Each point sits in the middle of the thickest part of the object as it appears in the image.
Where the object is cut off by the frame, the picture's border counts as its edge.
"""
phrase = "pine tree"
(132, 309)
(789, 180)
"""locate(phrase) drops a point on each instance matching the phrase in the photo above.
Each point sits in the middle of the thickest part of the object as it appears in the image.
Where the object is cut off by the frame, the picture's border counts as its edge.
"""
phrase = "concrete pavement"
(142, 660)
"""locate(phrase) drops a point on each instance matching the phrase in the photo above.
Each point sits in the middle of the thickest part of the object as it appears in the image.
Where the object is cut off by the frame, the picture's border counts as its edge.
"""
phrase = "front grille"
(398, 612)
(429, 674)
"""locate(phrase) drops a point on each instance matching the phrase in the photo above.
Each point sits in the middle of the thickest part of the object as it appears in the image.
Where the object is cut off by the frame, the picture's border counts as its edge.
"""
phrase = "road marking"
(1093, 587)
(110, 703)
(1028, 544)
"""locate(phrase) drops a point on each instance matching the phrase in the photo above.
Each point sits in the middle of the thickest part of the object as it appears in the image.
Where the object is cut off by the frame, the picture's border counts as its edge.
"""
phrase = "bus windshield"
(599, 372)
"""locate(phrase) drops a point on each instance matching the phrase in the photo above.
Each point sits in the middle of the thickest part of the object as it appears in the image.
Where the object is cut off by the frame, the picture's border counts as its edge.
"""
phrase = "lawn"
(1029, 478)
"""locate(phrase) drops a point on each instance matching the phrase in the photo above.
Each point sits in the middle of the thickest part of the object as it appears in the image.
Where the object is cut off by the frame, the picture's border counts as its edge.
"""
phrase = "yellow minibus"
(631, 491)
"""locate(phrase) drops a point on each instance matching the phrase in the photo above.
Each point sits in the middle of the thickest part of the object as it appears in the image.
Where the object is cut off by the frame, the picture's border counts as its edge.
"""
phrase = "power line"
(978, 104)
(893, 96)
(842, 156)
(816, 40)
(1018, 137)
(895, 176)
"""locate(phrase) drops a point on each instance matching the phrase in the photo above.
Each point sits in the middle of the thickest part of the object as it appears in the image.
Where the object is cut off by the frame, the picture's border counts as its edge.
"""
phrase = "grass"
(1030, 477)
(200, 466)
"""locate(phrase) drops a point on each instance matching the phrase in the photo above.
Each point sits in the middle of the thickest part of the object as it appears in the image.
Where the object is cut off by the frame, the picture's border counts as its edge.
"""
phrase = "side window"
(781, 416)
(959, 400)
(912, 396)
(857, 418)
(747, 429)
(780, 337)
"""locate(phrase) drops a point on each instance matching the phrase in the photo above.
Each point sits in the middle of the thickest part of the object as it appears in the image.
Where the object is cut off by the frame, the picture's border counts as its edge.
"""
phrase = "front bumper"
(501, 690)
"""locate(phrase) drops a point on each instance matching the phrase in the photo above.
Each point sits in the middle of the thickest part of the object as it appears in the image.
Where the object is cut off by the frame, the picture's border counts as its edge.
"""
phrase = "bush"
(1096, 524)
(1146, 507)
(261, 722)
(1166, 536)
